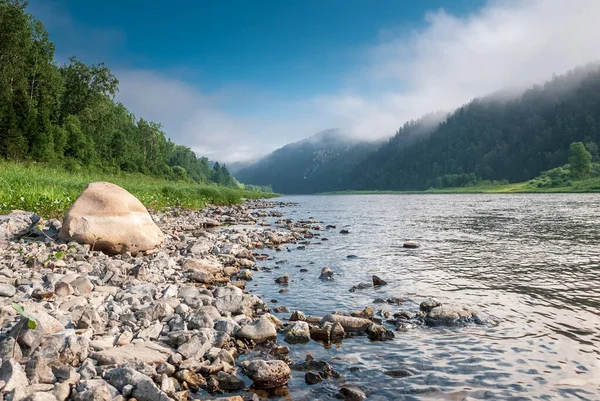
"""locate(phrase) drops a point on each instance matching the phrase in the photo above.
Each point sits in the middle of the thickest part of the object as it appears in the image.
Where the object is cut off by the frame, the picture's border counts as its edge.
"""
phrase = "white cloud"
(451, 60)
(197, 120)
(447, 62)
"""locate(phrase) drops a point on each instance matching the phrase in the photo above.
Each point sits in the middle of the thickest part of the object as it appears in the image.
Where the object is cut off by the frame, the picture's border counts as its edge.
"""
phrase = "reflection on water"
(531, 260)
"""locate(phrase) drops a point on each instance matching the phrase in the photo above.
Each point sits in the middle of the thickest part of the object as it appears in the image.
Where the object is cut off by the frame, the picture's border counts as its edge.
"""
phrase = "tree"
(579, 159)
(592, 147)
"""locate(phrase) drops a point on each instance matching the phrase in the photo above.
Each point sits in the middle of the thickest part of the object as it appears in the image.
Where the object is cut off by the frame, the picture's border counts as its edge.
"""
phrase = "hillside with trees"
(496, 139)
(67, 115)
(315, 164)
(492, 138)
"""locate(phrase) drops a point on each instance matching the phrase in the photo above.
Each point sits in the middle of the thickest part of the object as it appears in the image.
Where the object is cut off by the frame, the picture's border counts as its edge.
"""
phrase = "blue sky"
(235, 79)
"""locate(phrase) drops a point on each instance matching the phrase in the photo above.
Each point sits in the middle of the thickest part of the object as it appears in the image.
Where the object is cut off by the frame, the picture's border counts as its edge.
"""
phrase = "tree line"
(491, 138)
(67, 115)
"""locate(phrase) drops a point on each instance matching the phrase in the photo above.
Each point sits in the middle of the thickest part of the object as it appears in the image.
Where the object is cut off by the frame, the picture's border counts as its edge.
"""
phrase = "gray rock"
(200, 276)
(7, 290)
(61, 391)
(96, 390)
(350, 324)
(326, 274)
(312, 377)
(16, 224)
(9, 348)
(200, 319)
(377, 332)
(352, 394)
(87, 370)
(258, 331)
(40, 396)
(378, 281)
(446, 315)
(299, 332)
(38, 371)
(81, 285)
(298, 316)
(13, 375)
(429, 304)
(229, 382)
(197, 346)
(65, 373)
(245, 274)
(143, 387)
(226, 325)
(147, 352)
(267, 374)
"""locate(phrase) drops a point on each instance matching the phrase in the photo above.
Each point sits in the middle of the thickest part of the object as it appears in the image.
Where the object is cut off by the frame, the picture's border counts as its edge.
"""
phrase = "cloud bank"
(447, 62)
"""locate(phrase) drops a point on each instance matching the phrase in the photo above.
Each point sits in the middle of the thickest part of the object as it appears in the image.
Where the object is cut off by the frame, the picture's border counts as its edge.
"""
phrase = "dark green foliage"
(67, 115)
(455, 181)
(579, 159)
(316, 164)
(557, 177)
(491, 138)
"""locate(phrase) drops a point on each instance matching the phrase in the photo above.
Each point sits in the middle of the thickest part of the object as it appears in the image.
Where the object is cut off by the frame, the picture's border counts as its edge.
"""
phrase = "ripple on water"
(531, 260)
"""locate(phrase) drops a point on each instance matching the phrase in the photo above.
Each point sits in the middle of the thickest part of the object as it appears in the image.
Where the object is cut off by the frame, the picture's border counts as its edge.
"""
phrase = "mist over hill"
(315, 164)
(501, 136)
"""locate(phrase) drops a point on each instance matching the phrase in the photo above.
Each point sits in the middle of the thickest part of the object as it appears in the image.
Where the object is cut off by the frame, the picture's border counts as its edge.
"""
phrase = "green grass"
(50, 191)
(577, 186)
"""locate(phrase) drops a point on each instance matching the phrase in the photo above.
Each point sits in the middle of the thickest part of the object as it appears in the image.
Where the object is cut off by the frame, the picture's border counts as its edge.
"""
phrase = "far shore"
(590, 185)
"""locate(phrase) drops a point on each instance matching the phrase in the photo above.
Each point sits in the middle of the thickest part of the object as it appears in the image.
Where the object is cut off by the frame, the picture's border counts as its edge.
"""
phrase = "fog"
(506, 45)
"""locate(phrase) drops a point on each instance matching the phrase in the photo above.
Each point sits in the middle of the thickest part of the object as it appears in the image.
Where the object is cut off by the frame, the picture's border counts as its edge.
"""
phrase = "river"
(530, 260)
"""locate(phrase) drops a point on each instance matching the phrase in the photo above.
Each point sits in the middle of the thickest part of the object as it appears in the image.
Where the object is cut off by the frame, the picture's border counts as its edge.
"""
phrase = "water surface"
(532, 260)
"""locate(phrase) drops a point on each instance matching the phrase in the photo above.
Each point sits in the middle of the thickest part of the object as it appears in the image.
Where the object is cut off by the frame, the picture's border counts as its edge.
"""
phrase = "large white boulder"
(111, 220)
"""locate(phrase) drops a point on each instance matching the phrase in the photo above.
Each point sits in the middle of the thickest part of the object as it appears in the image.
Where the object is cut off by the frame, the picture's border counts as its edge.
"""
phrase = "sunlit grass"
(577, 186)
(50, 191)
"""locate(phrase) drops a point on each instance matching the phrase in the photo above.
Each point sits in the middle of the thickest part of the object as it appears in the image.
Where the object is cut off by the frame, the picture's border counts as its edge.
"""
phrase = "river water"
(531, 260)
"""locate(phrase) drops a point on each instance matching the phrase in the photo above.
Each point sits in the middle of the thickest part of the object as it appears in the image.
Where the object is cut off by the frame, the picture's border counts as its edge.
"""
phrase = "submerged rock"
(429, 304)
(326, 274)
(447, 315)
(352, 394)
(411, 244)
(354, 325)
(377, 281)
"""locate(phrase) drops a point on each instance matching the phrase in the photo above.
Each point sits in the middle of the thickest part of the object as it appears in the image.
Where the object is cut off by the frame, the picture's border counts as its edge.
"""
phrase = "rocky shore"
(172, 322)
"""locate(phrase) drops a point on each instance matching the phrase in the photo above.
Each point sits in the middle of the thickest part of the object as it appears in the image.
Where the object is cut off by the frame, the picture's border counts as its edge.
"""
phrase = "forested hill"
(492, 139)
(66, 115)
(316, 164)
(496, 137)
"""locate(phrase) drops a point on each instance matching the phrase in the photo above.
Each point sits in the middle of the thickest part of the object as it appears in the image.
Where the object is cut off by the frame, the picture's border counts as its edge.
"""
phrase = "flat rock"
(258, 331)
(349, 323)
(147, 352)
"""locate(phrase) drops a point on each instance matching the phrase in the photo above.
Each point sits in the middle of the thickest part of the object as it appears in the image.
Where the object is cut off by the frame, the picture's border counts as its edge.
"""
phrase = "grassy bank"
(50, 191)
(579, 186)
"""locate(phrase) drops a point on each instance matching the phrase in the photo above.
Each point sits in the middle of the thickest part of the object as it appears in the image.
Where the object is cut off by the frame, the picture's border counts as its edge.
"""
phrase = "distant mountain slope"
(491, 138)
(315, 164)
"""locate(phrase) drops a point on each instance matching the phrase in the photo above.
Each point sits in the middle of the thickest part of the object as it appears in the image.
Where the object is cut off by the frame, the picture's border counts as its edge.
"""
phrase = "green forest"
(494, 140)
(67, 115)
(491, 138)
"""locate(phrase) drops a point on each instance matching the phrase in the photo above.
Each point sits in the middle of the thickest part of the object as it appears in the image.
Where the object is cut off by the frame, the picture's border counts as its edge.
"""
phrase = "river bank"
(50, 191)
(173, 323)
(588, 185)
(220, 296)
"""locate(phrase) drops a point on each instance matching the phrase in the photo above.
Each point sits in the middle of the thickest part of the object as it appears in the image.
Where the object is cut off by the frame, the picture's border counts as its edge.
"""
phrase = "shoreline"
(175, 321)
